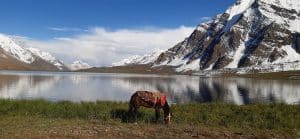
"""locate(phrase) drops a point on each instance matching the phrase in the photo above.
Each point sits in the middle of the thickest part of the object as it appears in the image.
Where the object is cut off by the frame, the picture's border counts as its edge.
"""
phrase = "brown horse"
(156, 100)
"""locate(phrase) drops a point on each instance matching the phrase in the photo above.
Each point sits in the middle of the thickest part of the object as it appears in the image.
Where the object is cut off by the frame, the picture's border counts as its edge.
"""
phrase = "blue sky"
(35, 18)
(101, 32)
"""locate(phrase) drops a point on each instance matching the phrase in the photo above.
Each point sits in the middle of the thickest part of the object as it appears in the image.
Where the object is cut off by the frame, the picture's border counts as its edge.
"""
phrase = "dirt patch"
(36, 127)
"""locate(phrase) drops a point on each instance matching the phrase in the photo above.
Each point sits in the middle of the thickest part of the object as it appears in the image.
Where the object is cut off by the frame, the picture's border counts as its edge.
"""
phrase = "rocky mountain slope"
(48, 58)
(260, 34)
(15, 57)
(250, 33)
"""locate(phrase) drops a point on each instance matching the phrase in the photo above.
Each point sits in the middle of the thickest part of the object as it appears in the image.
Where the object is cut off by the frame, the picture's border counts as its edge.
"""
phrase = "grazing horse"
(156, 100)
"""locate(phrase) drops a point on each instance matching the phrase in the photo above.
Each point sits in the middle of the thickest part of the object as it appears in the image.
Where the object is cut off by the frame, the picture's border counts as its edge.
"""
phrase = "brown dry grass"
(36, 127)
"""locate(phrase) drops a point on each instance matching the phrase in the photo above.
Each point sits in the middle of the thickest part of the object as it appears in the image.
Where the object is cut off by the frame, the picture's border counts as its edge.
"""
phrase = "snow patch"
(193, 66)
(295, 25)
(239, 7)
(291, 56)
(237, 56)
(210, 67)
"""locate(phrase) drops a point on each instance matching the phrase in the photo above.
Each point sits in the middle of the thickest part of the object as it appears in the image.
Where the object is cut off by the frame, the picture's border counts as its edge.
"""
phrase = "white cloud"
(203, 19)
(101, 47)
(65, 29)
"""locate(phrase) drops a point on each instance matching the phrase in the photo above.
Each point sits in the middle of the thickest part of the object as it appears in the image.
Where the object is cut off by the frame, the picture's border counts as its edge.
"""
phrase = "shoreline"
(168, 70)
(285, 75)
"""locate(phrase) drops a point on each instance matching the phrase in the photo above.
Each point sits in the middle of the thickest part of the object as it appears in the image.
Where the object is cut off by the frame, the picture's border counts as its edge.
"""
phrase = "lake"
(76, 87)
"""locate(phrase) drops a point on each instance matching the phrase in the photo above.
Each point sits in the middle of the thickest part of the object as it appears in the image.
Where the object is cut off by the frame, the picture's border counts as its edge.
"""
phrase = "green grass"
(266, 117)
(260, 116)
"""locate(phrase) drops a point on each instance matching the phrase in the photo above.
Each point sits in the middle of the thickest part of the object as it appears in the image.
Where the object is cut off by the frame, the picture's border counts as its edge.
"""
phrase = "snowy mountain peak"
(47, 57)
(78, 64)
(127, 61)
(239, 7)
(284, 12)
(136, 59)
(13, 49)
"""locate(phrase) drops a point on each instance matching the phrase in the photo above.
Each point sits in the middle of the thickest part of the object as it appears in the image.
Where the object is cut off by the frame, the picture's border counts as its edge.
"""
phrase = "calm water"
(119, 87)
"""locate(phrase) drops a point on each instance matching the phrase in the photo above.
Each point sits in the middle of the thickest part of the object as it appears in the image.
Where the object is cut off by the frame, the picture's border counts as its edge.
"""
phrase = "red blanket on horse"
(157, 98)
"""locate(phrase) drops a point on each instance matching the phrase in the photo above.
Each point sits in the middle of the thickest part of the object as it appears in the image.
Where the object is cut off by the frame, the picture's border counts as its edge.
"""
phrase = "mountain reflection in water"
(119, 87)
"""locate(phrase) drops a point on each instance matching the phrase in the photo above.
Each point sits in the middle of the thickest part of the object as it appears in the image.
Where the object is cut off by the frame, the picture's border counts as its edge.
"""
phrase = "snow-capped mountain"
(78, 64)
(48, 57)
(15, 57)
(127, 61)
(13, 49)
(251, 33)
(146, 59)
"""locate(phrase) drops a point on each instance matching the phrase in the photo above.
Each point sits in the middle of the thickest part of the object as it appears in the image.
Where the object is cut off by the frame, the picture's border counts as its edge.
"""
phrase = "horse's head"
(167, 118)
(167, 113)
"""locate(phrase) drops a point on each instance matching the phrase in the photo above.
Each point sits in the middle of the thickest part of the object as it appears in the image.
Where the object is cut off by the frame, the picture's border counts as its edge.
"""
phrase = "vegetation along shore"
(41, 118)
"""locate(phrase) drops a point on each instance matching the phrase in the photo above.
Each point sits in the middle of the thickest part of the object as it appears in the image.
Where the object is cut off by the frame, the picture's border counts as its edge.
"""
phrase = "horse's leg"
(130, 113)
(157, 114)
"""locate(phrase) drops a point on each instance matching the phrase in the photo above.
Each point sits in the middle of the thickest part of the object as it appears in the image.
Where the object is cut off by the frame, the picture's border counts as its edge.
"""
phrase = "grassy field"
(39, 118)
